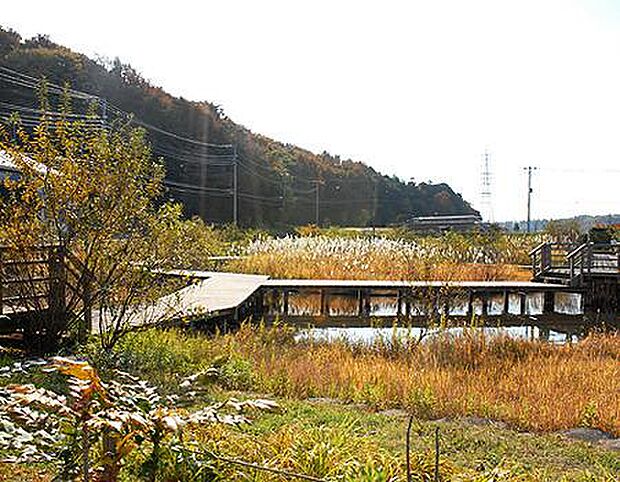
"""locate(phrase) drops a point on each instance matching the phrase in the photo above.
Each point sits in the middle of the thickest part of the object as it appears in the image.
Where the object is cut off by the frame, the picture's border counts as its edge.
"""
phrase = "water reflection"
(386, 305)
(338, 316)
(371, 334)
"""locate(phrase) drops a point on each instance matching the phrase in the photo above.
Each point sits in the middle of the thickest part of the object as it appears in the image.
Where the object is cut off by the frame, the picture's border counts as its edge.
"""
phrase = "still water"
(370, 334)
(385, 308)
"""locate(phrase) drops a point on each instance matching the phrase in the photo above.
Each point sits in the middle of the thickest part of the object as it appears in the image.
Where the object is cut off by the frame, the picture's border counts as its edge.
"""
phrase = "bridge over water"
(588, 273)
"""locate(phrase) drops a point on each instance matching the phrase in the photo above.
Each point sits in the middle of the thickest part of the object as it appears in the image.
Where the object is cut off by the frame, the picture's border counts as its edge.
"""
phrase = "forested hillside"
(277, 182)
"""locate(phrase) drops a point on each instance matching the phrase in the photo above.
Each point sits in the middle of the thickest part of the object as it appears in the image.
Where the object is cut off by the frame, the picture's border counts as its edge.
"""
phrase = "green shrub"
(235, 372)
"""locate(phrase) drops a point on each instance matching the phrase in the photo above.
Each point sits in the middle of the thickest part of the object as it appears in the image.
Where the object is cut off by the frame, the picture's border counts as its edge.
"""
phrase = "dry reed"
(529, 384)
(377, 258)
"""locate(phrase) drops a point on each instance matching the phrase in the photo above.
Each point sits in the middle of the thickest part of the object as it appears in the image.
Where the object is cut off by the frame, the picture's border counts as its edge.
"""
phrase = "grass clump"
(462, 378)
(449, 257)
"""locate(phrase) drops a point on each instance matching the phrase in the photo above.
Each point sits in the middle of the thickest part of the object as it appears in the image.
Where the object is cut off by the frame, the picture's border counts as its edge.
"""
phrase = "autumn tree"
(94, 192)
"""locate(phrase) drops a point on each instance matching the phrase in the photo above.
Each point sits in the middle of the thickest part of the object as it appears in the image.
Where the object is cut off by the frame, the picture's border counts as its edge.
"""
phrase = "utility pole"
(529, 170)
(235, 188)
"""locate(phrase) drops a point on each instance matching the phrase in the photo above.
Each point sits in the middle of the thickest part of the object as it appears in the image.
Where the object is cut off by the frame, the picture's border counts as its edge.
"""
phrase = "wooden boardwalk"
(238, 296)
(212, 294)
(411, 299)
(217, 293)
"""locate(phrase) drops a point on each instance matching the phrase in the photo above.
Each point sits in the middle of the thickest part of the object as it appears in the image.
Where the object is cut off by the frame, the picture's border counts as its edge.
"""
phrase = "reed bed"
(446, 258)
(530, 385)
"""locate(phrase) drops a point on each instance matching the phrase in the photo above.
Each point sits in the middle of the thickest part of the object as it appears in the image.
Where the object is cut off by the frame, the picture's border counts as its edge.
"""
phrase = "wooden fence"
(44, 290)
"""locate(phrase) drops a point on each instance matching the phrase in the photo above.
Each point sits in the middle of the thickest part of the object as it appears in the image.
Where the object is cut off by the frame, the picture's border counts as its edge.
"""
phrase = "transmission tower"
(486, 200)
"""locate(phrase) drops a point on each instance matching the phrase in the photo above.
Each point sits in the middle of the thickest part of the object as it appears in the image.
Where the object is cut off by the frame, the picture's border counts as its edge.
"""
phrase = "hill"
(584, 221)
(277, 182)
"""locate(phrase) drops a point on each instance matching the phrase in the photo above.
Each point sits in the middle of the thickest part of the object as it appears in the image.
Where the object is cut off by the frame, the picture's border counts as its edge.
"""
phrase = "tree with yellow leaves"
(94, 192)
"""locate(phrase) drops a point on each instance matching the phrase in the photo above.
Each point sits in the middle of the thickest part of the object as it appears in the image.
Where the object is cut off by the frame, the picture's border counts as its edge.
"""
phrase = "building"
(440, 224)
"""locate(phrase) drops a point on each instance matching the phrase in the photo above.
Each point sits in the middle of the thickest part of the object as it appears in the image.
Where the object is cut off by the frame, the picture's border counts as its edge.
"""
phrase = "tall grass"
(449, 257)
(529, 384)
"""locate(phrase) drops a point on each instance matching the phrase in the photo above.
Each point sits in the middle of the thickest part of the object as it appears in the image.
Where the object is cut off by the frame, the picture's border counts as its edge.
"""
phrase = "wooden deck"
(592, 267)
(212, 294)
(219, 293)
(576, 265)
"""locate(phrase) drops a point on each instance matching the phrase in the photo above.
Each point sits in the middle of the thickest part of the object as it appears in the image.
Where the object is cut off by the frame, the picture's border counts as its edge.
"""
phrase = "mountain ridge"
(277, 181)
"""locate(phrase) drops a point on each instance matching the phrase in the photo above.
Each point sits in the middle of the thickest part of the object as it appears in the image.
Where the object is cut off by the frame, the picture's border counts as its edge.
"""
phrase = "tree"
(563, 230)
(94, 193)
(9, 41)
(262, 162)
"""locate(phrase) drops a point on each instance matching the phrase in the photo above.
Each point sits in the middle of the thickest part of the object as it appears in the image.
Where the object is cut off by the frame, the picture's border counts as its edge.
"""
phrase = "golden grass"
(376, 258)
(529, 384)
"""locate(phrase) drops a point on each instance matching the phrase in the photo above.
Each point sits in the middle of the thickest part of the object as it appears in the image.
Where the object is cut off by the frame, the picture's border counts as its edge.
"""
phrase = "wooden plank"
(222, 293)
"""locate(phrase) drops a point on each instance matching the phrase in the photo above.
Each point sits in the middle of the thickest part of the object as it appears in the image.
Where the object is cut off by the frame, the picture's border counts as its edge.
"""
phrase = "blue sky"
(416, 89)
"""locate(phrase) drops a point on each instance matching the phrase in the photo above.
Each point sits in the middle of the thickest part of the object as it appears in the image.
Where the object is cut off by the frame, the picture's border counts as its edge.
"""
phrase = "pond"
(343, 322)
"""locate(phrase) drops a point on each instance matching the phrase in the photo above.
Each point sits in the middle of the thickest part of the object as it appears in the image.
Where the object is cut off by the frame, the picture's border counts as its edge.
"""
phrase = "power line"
(27, 79)
(181, 138)
(198, 188)
(24, 80)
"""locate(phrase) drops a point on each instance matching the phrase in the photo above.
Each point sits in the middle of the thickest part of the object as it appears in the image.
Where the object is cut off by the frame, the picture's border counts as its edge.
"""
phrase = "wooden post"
(285, 303)
(485, 303)
(259, 306)
(548, 302)
(360, 303)
(324, 307)
(546, 257)
(407, 307)
(470, 304)
(367, 305)
(522, 303)
(435, 315)
(506, 302)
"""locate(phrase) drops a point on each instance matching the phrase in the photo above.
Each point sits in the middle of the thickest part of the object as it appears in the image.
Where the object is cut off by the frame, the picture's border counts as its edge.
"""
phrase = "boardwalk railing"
(572, 263)
(594, 258)
(47, 283)
(547, 257)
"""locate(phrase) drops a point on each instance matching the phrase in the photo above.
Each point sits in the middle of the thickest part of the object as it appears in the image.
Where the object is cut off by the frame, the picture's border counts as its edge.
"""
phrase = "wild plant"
(90, 429)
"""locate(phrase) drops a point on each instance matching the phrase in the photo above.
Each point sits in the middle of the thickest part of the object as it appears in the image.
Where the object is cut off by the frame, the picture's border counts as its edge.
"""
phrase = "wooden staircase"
(575, 265)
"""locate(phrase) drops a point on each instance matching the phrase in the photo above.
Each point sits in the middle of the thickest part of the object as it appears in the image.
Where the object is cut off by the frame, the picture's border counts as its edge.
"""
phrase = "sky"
(417, 89)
